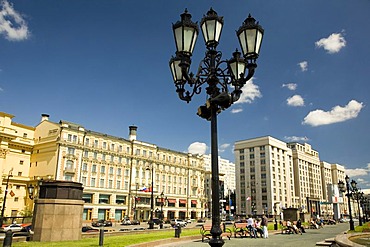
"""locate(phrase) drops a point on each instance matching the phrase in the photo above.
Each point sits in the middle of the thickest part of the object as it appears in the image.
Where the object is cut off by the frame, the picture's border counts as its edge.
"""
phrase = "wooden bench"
(205, 231)
(241, 229)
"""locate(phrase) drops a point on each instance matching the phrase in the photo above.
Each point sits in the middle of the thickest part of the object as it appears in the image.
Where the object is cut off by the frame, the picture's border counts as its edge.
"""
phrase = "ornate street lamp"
(31, 190)
(364, 202)
(356, 194)
(151, 222)
(346, 188)
(224, 80)
(162, 200)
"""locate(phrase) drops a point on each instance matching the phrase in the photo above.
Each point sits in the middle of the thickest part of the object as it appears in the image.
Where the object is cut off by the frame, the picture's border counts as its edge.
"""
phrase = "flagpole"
(4, 201)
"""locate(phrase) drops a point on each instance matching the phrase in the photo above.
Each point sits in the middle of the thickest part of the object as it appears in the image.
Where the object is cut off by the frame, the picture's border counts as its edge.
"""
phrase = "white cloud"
(250, 92)
(336, 115)
(357, 172)
(12, 25)
(303, 65)
(295, 100)
(290, 86)
(197, 148)
(332, 44)
(296, 138)
(236, 110)
(223, 147)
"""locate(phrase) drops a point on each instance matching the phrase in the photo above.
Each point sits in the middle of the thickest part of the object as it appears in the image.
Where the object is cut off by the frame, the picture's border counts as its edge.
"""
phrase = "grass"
(112, 241)
(364, 228)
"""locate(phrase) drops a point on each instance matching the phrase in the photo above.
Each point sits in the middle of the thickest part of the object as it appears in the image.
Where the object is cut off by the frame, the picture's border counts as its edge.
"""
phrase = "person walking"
(264, 224)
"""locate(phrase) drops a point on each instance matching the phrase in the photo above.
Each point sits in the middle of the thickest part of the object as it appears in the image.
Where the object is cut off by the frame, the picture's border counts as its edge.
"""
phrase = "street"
(310, 238)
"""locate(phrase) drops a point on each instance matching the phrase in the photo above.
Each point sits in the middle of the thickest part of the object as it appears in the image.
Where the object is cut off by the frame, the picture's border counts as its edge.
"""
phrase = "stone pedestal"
(58, 211)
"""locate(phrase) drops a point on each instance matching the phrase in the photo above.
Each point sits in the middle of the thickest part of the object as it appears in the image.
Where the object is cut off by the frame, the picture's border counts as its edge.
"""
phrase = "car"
(99, 223)
(157, 221)
(89, 229)
(178, 222)
(201, 220)
(135, 222)
(188, 221)
(126, 222)
(12, 227)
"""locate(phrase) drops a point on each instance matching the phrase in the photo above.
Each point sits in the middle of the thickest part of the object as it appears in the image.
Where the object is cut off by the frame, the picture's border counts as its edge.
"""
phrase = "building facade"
(264, 179)
(119, 175)
(273, 175)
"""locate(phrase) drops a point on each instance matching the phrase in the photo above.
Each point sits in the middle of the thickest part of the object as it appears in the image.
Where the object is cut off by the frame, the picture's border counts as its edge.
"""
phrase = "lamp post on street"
(151, 222)
(346, 188)
(356, 194)
(224, 79)
(162, 199)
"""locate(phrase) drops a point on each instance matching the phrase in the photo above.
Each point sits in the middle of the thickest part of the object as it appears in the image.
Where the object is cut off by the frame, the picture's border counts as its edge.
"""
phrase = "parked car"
(135, 222)
(126, 222)
(99, 223)
(178, 222)
(12, 227)
(157, 221)
(201, 220)
(89, 229)
(23, 232)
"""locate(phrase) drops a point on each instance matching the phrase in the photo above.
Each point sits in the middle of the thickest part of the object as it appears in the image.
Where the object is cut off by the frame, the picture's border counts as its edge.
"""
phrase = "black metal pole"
(151, 223)
(359, 211)
(216, 231)
(351, 224)
(4, 201)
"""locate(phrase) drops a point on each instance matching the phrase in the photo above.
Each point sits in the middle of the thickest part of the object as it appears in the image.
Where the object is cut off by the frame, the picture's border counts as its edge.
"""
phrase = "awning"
(193, 201)
(172, 200)
(182, 201)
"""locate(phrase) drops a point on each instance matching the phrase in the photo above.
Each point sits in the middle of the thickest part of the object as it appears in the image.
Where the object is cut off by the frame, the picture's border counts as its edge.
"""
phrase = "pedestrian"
(264, 224)
(300, 227)
(250, 227)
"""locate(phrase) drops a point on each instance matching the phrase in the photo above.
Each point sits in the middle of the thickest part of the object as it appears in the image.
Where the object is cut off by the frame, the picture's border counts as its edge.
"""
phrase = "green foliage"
(26, 212)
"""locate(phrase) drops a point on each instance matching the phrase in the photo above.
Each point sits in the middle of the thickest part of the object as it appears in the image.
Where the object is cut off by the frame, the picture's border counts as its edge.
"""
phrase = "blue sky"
(104, 65)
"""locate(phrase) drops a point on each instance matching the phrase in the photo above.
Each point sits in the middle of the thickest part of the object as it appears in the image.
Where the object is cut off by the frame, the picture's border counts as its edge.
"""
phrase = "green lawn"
(113, 241)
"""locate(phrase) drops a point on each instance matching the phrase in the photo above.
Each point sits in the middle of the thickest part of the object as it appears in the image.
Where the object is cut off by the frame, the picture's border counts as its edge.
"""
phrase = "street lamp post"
(356, 193)
(364, 201)
(344, 188)
(162, 203)
(275, 221)
(5, 194)
(151, 222)
(224, 78)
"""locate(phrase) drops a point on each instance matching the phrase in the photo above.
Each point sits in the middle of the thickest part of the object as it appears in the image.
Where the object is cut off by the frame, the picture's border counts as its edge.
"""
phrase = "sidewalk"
(310, 238)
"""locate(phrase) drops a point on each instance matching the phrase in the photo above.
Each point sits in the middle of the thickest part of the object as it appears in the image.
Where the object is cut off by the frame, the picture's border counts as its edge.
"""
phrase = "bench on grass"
(241, 229)
(205, 231)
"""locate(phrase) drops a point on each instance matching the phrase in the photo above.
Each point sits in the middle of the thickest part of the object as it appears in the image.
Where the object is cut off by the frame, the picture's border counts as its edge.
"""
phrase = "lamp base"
(216, 242)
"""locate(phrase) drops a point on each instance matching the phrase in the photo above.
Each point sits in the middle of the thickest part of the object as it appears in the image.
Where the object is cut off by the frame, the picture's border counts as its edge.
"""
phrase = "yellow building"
(16, 144)
(117, 173)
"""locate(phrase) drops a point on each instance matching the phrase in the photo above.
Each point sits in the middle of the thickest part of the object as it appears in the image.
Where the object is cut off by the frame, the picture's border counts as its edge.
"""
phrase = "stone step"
(323, 243)
(332, 240)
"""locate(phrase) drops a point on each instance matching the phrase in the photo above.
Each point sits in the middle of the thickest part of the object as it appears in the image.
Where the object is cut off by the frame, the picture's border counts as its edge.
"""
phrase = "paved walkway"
(306, 239)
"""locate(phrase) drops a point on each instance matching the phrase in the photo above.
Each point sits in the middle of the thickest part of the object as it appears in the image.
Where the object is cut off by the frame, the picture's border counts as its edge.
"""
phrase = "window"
(87, 198)
(263, 176)
(103, 157)
(87, 141)
(93, 168)
(251, 156)
(21, 162)
(102, 169)
(71, 151)
(69, 165)
(68, 177)
(104, 199)
(83, 180)
(118, 184)
(92, 182)
(16, 199)
(95, 155)
(104, 145)
(24, 135)
(96, 143)
(120, 199)
(101, 183)
(119, 171)
(86, 154)
(110, 170)
(69, 137)
(110, 184)
(74, 138)
(112, 146)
